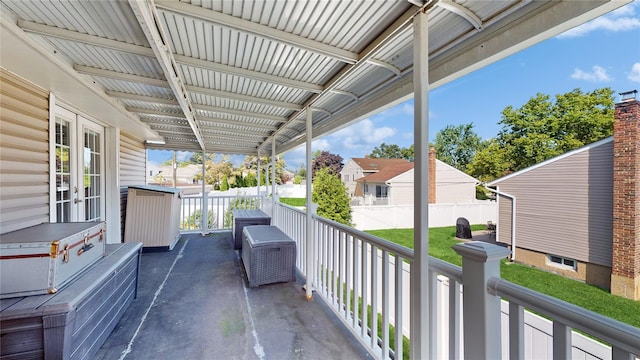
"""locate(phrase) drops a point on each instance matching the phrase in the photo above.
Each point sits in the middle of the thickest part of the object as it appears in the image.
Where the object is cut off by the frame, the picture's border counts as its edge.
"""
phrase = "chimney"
(432, 175)
(625, 270)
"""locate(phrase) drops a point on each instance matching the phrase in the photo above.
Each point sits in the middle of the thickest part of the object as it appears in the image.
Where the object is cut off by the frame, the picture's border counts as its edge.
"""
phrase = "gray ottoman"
(268, 254)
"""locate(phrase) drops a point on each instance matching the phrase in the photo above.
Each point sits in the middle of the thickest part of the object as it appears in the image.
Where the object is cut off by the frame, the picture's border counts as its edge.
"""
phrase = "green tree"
(251, 162)
(331, 196)
(392, 151)
(225, 184)
(250, 180)
(489, 163)
(456, 145)
(326, 160)
(543, 128)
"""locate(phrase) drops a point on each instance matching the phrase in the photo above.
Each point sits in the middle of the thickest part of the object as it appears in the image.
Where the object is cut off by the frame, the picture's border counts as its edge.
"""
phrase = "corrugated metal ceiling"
(251, 69)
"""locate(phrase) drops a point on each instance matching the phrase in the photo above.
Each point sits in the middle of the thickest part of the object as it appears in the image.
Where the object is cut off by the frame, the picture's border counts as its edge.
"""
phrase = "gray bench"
(74, 322)
(268, 254)
(242, 218)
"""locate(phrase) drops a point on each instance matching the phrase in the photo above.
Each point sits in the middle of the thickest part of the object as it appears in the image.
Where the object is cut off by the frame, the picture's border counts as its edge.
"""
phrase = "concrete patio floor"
(194, 303)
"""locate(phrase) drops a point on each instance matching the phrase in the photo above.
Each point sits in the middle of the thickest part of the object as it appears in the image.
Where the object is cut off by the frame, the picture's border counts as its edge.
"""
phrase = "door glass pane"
(63, 170)
(92, 175)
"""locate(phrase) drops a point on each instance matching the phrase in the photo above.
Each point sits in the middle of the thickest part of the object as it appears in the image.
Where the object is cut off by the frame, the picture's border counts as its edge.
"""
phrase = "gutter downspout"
(513, 218)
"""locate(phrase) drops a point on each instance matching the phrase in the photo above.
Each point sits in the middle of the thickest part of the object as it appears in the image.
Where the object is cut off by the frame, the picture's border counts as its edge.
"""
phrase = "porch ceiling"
(232, 76)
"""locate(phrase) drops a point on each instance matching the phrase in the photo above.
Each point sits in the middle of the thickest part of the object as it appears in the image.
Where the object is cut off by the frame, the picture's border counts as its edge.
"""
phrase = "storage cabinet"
(43, 258)
(268, 255)
(153, 216)
(242, 218)
(74, 322)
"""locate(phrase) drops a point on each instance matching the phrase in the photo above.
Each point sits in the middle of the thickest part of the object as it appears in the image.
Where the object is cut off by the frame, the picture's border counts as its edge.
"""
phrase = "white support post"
(204, 211)
(174, 168)
(420, 300)
(258, 175)
(481, 326)
(273, 179)
(310, 208)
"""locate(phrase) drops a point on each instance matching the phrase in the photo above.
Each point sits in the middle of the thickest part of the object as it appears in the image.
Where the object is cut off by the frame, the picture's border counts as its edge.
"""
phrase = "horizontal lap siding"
(24, 153)
(132, 161)
(565, 207)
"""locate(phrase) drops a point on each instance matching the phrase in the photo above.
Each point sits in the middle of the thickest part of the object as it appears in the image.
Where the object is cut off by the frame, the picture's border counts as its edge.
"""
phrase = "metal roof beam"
(147, 16)
(259, 30)
(143, 98)
(87, 70)
(249, 74)
(460, 10)
(205, 129)
(201, 119)
(241, 97)
(93, 40)
(254, 115)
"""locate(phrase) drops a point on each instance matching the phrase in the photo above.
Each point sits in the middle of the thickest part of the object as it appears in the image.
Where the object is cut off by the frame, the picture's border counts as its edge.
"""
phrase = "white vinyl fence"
(401, 216)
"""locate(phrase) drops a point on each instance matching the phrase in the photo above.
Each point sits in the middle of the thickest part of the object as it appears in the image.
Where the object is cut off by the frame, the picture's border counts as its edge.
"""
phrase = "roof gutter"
(513, 218)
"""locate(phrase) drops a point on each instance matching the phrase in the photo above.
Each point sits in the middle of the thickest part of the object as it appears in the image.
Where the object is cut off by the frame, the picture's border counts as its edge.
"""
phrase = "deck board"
(194, 302)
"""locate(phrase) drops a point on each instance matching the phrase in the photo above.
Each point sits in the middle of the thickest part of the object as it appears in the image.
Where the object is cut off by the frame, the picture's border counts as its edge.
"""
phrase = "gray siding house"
(563, 213)
(578, 214)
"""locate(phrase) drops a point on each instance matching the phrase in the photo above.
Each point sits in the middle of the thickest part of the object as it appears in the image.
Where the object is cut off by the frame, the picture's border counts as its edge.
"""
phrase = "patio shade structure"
(243, 77)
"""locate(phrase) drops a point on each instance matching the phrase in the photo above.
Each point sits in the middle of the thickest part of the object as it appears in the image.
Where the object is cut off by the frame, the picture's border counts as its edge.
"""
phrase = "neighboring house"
(393, 185)
(572, 213)
(390, 182)
(357, 168)
(164, 174)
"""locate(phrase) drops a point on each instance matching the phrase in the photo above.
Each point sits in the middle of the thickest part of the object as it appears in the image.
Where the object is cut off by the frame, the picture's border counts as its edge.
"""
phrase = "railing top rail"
(619, 334)
(381, 243)
(292, 208)
(449, 270)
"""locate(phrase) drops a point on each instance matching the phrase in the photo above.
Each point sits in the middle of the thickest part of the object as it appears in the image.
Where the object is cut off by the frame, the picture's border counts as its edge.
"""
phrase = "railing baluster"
(356, 282)
(516, 331)
(561, 341)
(365, 288)
(433, 313)
(398, 314)
(348, 276)
(374, 297)
(385, 304)
(454, 319)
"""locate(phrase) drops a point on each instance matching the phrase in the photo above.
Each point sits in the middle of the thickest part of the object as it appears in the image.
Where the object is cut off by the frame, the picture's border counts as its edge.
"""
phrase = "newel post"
(481, 261)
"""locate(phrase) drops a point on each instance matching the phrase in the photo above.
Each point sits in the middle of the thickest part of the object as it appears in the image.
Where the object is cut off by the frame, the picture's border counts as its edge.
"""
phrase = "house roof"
(388, 172)
(236, 77)
(552, 160)
(445, 173)
(372, 164)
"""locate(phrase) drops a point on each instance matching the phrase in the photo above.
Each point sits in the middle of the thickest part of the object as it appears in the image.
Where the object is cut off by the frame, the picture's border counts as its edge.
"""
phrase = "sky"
(602, 53)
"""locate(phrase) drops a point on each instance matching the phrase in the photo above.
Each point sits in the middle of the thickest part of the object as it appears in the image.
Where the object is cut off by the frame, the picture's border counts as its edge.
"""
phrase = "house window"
(366, 188)
(563, 262)
(382, 191)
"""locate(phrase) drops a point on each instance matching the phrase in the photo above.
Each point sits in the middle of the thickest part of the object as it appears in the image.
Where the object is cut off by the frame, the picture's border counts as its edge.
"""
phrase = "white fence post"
(480, 262)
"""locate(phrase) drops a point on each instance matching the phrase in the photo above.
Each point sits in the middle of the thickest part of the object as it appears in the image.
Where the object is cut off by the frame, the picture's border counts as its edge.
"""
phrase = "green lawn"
(294, 201)
(575, 292)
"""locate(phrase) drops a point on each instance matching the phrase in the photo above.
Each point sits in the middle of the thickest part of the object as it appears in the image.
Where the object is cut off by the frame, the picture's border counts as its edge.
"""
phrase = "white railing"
(217, 210)
(354, 272)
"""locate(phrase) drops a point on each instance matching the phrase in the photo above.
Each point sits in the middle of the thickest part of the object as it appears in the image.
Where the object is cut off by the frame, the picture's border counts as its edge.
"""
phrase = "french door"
(79, 168)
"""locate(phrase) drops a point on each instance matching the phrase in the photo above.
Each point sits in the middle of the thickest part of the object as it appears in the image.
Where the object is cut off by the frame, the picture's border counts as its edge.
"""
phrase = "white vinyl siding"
(564, 207)
(24, 153)
(132, 161)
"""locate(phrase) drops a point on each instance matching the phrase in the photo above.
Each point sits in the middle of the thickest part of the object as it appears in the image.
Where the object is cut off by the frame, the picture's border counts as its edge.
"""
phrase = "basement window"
(563, 262)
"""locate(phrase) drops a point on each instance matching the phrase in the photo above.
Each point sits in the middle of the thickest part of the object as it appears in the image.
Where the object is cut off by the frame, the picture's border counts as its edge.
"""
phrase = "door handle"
(77, 201)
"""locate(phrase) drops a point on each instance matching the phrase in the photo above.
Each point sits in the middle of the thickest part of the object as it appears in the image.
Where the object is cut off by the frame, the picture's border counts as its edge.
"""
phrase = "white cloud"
(623, 19)
(363, 134)
(597, 74)
(634, 75)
